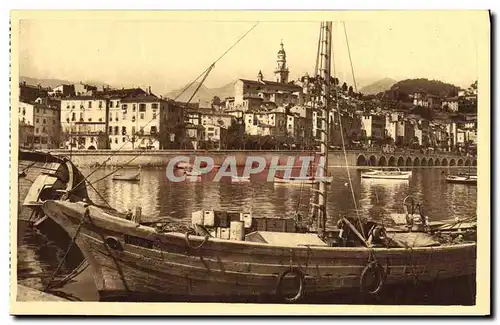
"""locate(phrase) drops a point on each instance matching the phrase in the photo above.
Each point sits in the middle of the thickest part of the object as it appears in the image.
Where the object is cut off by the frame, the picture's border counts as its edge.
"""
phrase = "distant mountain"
(378, 86)
(55, 82)
(204, 94)
(402, 89)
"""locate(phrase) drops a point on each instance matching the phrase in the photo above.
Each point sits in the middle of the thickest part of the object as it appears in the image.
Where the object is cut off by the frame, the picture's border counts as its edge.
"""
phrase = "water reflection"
(160, 197)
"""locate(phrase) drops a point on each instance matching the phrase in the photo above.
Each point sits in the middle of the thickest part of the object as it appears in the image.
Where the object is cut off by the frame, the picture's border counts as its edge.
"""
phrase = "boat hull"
(131, 259)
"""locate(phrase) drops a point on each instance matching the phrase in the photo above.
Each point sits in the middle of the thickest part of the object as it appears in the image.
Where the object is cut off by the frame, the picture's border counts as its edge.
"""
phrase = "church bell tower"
(281, 71)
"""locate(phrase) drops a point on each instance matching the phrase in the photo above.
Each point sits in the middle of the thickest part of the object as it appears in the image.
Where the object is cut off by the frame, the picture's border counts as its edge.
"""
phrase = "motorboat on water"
(387, 174)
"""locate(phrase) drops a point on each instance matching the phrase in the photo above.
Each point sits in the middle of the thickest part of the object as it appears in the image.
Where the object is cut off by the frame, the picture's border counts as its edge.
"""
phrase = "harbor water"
(39, 255)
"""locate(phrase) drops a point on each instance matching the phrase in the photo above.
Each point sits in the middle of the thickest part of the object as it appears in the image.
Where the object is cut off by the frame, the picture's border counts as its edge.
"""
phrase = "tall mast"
(323, 77)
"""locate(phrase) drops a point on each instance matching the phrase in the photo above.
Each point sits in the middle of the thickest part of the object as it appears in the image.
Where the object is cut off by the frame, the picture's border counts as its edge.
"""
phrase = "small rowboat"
(129, 178)
(308, 180)
(462, 179)
(382, 174)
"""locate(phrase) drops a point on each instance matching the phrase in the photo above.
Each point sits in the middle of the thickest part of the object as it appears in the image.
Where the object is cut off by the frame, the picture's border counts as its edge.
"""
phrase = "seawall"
(160, 158)
(354, 158)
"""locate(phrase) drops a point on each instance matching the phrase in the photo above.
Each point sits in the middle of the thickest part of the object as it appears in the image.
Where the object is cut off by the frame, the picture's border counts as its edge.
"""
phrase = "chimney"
(149, 90)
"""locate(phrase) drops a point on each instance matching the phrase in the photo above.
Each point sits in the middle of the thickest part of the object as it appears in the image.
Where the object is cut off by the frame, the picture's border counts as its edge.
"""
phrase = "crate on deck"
(274, 224)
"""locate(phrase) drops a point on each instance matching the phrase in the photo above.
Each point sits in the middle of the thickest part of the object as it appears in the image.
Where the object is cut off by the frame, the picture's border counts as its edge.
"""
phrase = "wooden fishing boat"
(387, 174)
(226, 255)
(129, 178)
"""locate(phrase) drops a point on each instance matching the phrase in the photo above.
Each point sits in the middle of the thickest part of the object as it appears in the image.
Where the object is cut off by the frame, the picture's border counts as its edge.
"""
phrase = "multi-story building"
(266, 123)
(29, 93)
(251, 94)
(374, 127)
(405, 133)
(43, 116)
(450, 104)
(62, 90)
(145, 122)
(84, 122)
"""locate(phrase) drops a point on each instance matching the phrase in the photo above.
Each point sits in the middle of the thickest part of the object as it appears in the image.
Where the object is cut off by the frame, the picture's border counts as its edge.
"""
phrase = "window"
(44, 111)
(73, 116)
(43, 129)
(133, 130)
(124, 116)
(154, 116)
(153, 130)
(44, 121)
(154, 106)
(73, 107)
(100, 104)
(67, 106)
(142, 107)
(142, 116)
(90, 119)
(123, 139)
(110, 117)
(111, 104)
(124, 106)
(116, 140)
(133, 108)
(110, 130)
(37, 120)
(116, 116)
(124, 130)
(116, 130)
(133, 118)
(90, 104)
(100, 119)
(36, 130)
(81, 117)
(53, 122)
(38, 110)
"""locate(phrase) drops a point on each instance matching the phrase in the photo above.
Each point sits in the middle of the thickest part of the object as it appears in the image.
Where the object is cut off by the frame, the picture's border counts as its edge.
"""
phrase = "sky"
(168, 54)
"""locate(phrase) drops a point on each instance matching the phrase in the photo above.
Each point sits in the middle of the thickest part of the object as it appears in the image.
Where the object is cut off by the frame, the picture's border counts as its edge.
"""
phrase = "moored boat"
(387, 174)
(462, 179)
(129, 178)
(308, 180)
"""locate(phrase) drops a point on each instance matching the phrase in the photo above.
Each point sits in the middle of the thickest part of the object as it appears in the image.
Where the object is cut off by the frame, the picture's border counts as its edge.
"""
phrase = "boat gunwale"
(110, 219)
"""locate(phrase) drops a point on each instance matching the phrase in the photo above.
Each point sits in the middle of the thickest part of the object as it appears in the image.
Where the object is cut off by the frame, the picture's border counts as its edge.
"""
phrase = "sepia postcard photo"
(250, 162)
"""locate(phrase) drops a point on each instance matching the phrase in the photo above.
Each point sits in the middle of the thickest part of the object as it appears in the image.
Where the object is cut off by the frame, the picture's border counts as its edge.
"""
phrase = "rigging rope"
(204, 73)
(344, 151)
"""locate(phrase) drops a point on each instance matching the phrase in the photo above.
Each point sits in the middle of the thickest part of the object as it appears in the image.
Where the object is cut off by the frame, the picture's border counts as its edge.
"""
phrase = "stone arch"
(437, 162)
(373, 160)
(416, 161)
(460, 162)
(382, 161)
(392, 161)
(444, 162)
(467, 162)
(401, 161)
(408, 161)
(361, 161)
(453, 162)
(430, 162)
(474, 162)
(423, 162)
(91, 148)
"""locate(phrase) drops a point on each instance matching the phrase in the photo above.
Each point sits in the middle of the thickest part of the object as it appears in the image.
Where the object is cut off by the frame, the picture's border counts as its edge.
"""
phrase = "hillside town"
(267, 113)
